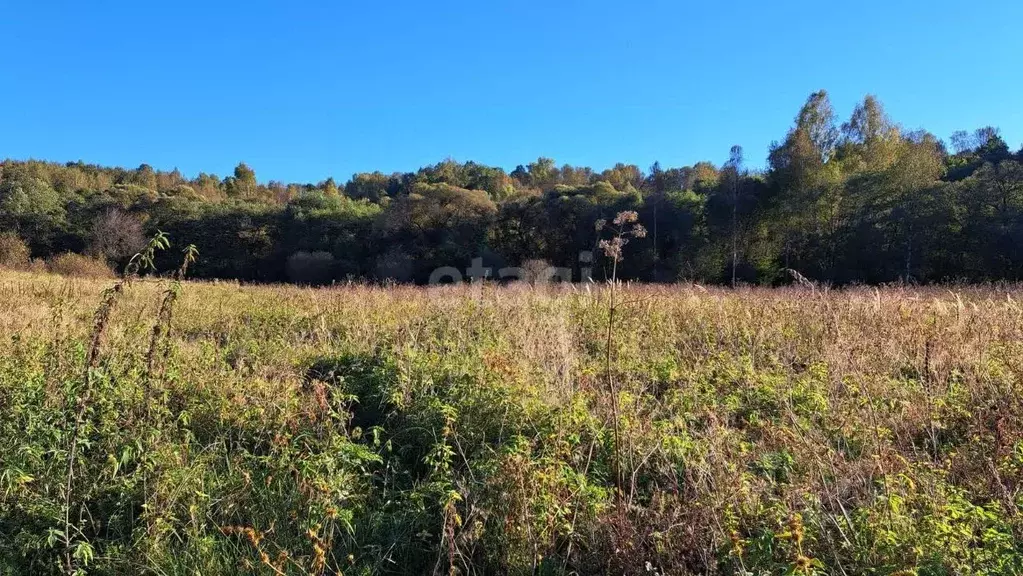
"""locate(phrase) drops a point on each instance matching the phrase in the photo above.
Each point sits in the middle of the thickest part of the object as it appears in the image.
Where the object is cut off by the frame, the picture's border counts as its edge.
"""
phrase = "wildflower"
(795, 526)
(803, 563)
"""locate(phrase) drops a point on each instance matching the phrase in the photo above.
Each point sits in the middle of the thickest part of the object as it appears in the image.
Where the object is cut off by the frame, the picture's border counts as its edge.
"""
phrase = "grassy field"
(487, 430)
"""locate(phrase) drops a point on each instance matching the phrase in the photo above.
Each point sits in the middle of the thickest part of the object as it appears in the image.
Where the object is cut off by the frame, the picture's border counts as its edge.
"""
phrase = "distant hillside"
(859, 201)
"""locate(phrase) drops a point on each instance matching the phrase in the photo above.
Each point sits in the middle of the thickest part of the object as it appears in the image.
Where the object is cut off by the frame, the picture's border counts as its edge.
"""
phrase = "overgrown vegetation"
(71, 264)
(168, 427)
(864, 201)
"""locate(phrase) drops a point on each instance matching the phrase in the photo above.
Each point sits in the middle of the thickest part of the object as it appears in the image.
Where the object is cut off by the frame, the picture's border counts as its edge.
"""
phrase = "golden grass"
(860, 430)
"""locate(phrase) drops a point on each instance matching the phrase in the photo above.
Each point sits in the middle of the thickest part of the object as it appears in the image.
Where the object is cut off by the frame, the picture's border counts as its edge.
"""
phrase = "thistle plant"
(143, 260)
(161, 330)
(624, 227)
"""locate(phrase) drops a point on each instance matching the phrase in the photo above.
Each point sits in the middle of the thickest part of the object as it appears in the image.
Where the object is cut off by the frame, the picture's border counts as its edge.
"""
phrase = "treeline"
(857, 201)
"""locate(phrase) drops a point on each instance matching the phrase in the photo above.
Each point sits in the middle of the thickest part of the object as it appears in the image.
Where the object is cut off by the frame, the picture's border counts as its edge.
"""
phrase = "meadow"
(215, 428)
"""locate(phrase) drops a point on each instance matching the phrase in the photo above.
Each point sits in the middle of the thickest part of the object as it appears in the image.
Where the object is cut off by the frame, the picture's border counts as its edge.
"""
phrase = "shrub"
(311, 267)
(395, 264)
(14, 253)
(116, 236)
(37, 266)
(537, 271)
(77, 265)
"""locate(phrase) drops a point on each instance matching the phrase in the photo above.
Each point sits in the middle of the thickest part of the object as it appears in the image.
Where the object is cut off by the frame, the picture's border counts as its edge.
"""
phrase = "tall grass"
(366, 430)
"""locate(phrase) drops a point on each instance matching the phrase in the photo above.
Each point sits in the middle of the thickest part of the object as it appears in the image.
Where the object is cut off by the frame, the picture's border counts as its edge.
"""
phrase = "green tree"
(808, 187)
(438, 225)
(372, 186)
(243, 184)
(329, 187)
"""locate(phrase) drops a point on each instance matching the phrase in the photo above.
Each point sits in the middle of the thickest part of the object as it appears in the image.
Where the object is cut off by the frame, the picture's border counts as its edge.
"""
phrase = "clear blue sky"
(303, 90)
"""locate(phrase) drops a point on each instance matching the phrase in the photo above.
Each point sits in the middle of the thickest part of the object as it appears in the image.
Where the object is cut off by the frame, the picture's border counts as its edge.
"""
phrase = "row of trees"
(859, 201)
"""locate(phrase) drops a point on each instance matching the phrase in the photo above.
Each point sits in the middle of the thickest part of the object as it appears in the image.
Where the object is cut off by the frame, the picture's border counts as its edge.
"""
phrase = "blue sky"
(303, 90)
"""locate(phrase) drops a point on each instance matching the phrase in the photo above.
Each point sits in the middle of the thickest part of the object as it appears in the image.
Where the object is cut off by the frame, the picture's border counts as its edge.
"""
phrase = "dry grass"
(467, 429)
(78, 266)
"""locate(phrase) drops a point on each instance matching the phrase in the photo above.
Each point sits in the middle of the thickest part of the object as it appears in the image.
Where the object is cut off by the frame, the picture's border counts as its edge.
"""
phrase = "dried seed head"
(626, 217)
(613, 248)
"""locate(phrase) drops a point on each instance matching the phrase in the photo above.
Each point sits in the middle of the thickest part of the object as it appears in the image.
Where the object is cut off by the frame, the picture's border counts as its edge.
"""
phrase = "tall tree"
(243, 184)
(806, 184)
(735, 171)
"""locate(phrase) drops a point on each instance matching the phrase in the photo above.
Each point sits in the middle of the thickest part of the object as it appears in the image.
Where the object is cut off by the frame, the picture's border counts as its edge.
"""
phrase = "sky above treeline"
(301, 90)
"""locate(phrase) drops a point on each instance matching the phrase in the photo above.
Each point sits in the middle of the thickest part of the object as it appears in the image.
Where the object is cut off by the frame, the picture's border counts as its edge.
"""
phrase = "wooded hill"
(857, 201)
